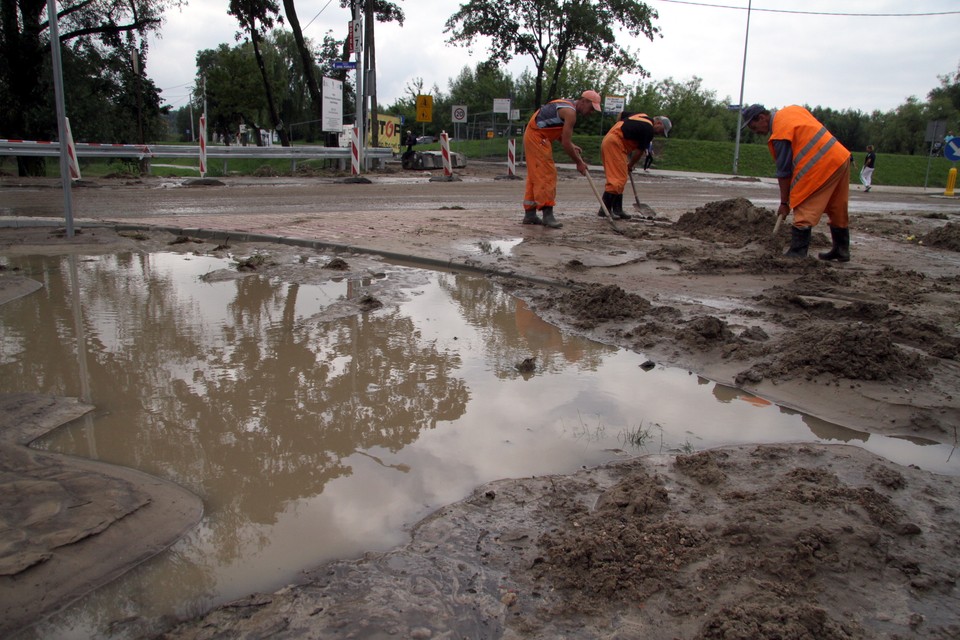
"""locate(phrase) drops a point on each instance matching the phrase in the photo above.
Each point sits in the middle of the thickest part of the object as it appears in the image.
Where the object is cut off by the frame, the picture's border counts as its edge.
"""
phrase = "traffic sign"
(459, 113)
(344, 64)
(951, 150)
(424, 108)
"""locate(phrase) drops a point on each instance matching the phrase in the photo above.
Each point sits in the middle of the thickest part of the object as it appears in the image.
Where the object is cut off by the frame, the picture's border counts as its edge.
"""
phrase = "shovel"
(644, 209)
(602, 205)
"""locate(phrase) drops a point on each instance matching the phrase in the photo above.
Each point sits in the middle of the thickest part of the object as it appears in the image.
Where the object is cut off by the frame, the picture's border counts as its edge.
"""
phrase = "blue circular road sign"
(951, 150)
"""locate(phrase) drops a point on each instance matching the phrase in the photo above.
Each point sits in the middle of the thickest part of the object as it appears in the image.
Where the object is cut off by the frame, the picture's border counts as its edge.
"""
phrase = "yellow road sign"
(424, 108)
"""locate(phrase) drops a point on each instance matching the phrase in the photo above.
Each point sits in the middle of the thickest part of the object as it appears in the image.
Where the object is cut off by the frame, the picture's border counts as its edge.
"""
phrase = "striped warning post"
(511, 157)
(203, 144)
(445, 151)
(355, 151)
(71, 152)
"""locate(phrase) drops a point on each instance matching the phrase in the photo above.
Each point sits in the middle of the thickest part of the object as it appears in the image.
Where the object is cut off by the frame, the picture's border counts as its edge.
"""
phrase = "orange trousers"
(832, 198)
(614, 153)
(541, 186)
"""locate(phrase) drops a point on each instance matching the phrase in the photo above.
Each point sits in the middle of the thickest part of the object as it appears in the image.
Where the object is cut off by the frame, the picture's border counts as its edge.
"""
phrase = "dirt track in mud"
(774, 541)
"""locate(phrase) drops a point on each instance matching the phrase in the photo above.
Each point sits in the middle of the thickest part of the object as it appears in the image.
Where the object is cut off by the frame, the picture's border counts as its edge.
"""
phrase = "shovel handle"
(602, 204)
(776, 226)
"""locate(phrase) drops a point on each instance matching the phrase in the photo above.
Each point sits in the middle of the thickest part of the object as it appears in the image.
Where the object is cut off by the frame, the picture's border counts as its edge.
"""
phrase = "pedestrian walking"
(648, 159)
(813, 172)
(866, 173)
(553, 121)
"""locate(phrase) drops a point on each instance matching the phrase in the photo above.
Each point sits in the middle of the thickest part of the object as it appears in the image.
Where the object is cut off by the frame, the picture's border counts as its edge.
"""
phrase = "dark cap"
(752, 112)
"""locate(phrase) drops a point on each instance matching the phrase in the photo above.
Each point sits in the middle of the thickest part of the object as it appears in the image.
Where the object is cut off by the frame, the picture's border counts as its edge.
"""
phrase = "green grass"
(717, 157)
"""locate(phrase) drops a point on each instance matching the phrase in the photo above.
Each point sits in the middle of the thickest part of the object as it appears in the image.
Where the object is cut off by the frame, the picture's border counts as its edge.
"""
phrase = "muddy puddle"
(316, 428)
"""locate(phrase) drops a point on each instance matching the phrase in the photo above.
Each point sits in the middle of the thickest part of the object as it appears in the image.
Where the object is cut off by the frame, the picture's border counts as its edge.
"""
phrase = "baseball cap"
(593, 97)
(667, 125)
(750, 113)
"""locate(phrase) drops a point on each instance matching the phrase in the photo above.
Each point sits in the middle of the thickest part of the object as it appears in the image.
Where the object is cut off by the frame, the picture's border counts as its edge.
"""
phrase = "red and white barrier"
(355, 151)
(203, 144)
(511, 157)
(445, 152)
(74, 164)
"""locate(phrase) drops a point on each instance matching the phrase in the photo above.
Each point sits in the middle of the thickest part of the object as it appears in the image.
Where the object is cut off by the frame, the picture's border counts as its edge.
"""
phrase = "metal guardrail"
(148, 152)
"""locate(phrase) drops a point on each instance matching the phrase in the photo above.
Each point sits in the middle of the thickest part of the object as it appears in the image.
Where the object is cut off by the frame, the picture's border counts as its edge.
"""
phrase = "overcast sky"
(798, 51)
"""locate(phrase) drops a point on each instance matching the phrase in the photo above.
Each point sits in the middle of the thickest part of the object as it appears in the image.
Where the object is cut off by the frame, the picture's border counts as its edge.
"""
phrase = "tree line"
(270, 79)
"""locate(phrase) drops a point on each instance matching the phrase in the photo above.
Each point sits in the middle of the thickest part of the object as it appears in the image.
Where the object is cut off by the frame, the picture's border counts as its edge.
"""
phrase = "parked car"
(426, 140)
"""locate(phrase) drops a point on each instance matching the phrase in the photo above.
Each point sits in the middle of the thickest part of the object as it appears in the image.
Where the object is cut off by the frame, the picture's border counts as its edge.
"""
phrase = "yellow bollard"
(951, 182)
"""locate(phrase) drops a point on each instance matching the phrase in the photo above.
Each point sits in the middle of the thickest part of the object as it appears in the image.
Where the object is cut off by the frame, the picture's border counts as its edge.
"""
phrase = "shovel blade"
(645, 209)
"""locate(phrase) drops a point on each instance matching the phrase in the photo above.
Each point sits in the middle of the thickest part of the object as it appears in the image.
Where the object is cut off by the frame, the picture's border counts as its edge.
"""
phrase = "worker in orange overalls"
(813, 170)
(552, 121)
(624, 144)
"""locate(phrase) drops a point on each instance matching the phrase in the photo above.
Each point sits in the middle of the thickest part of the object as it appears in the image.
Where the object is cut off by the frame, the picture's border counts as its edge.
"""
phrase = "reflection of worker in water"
(543, 335)
(729, 394)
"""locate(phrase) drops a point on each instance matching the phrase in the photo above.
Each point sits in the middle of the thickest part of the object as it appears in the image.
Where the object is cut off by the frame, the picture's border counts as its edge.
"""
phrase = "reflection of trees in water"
(512, 332)
(250, 411)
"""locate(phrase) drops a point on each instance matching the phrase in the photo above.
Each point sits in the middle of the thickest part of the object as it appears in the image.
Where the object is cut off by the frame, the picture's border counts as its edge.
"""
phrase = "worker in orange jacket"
(813, 171)
(624, 144)
(553, 121)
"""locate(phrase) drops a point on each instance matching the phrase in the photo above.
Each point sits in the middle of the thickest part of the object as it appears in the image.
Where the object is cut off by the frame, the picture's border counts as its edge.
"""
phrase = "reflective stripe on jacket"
(816, 153)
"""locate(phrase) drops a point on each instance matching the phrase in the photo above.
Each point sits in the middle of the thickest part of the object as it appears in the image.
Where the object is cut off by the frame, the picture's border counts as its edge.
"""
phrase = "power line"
(318, 14)
(818, 13)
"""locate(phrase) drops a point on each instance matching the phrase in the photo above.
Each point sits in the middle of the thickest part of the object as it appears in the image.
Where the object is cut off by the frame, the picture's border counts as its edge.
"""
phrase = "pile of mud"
(855, 352)
(946, 237)
(735, 221)
(592, 304)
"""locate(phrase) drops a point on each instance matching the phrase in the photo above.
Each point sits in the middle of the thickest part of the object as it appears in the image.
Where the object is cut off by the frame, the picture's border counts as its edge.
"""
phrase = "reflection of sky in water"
(312, 440)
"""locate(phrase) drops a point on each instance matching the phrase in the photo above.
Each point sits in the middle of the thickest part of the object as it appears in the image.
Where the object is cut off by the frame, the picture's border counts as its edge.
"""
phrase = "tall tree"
(543, 29)
(25, 80)
(257, 17)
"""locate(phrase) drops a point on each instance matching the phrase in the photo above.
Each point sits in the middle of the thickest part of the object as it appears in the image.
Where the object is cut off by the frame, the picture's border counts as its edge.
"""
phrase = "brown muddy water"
(311, 436)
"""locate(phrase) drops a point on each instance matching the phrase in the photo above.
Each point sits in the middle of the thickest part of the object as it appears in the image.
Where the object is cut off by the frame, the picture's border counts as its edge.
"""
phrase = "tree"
(543, 29)
(231, 88)
(256, 17)
(25, 79)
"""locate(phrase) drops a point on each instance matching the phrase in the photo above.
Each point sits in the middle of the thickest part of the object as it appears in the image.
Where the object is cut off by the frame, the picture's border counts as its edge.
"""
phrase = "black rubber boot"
(618, 211)
(530, 217)
(799, 242)
(607, 198)
(548, 218)
(841, 245)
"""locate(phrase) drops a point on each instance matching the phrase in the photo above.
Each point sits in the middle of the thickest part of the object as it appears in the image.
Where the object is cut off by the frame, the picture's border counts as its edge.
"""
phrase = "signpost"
(343, 64)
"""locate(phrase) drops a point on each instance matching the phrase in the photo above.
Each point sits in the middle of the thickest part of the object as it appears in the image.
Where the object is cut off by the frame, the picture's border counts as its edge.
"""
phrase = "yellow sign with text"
(388, 132)
(424, 108)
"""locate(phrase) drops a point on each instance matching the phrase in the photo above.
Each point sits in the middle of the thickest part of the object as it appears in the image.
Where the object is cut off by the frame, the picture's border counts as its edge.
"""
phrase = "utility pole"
(743, 74)
(357, 36)
(371, 80)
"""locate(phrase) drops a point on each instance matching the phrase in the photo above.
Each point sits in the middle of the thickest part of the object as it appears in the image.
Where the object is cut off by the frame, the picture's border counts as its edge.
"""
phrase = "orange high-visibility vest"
(816, 153)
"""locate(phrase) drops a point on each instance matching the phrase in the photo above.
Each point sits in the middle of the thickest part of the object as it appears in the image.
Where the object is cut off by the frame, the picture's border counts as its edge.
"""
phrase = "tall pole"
(743, 75)
(357, 46)
(61, 115)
